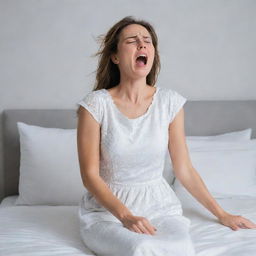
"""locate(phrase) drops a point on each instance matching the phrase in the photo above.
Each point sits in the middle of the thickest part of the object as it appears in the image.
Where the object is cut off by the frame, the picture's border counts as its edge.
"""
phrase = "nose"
(141, 44)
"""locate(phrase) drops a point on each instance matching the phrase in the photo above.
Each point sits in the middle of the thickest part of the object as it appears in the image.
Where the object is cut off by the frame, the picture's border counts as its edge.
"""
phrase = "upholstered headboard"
(201, 118)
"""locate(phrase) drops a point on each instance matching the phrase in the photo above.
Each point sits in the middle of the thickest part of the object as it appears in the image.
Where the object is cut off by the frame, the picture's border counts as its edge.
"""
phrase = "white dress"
(132, 156)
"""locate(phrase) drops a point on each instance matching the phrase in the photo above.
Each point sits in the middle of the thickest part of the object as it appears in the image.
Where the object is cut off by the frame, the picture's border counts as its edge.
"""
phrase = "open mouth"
(141, 60)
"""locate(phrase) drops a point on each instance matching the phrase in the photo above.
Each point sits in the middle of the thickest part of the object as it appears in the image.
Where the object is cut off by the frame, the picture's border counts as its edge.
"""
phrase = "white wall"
(207, 48)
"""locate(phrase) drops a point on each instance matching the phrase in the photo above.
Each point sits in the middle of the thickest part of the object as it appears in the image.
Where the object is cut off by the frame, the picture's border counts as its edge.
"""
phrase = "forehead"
(133, 30)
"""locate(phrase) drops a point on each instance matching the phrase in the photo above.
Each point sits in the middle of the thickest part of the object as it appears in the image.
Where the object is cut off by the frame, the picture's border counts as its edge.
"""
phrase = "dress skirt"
(105, 235)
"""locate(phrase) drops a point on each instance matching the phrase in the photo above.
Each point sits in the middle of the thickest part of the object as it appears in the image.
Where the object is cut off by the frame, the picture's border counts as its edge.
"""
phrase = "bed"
(46, 229)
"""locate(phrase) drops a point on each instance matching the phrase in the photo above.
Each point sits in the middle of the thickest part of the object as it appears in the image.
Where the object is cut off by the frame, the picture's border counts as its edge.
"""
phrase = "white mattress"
(214, 239)
(54, 230)
(39, 230)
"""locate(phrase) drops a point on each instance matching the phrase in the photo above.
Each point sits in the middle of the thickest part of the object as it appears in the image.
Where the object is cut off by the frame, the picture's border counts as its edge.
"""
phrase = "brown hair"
(107, 73)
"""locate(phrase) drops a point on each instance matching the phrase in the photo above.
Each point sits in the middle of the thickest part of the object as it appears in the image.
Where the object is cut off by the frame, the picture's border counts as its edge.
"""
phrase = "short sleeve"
(176, 102)
(93, 103)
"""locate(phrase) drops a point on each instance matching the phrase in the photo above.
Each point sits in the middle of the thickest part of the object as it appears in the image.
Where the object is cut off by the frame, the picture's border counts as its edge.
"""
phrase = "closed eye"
(135, 42)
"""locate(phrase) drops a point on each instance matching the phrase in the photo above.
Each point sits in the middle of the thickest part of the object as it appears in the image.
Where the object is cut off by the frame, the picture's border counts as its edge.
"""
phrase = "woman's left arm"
(191, 180)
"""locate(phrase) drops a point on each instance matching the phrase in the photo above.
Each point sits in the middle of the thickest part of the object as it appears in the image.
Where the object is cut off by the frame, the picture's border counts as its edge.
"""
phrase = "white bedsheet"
(39, 230)
(54, 230)
(214, 239)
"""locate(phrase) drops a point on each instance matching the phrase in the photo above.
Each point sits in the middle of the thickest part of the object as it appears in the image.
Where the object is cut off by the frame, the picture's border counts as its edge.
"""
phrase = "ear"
(114, 59)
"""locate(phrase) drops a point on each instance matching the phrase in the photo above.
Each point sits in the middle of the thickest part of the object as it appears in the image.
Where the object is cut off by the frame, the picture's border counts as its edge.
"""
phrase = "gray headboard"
(201, 118)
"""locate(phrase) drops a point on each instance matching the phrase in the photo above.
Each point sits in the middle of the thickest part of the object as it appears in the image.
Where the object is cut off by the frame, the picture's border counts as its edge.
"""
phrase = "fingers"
(139, 224)
(151, 228)
(136, 229)
(144, 230)
(235, 228)
(144, 227)
(245, 223)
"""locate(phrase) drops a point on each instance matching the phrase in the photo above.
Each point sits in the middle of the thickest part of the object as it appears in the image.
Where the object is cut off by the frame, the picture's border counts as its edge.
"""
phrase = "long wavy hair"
(107, 73)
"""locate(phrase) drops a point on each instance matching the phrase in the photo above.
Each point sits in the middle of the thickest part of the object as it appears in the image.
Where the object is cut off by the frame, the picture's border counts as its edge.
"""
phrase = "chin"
(143, 70)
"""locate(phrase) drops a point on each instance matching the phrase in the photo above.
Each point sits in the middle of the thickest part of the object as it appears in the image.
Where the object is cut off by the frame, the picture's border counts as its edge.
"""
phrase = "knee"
(179, 245)
(144, 247)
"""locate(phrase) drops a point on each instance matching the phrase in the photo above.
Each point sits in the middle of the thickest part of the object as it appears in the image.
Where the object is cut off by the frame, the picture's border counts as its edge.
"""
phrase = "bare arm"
(183, 169)
(191, 180)
(88, 141)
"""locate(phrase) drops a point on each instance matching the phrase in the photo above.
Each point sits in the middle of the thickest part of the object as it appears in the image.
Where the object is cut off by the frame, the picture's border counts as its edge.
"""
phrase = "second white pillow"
(227, 168)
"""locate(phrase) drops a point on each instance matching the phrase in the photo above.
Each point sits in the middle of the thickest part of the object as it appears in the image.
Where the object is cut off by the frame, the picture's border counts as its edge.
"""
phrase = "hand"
(236, 221)
(138, 224)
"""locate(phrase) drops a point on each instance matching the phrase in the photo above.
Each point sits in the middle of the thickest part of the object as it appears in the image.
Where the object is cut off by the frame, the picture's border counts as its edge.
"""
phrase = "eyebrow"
(136, 36)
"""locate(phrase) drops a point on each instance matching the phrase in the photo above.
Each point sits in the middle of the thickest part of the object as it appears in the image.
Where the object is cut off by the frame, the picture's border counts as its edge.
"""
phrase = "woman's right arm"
(88, 143)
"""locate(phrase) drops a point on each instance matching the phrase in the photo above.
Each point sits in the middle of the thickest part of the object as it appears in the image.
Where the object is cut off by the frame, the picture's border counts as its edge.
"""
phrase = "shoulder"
(173, 101)
(93, 102)
(94, 96)
(169, 93)
(170, 96)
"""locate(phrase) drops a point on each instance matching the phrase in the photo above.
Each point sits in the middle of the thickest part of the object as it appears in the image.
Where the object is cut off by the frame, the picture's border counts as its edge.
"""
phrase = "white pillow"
(227, 168)
(49, 166)
(237, 135)
(230, 136)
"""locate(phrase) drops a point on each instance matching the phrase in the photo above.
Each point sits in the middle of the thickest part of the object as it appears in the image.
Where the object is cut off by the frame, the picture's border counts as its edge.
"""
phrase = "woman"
(125, 126)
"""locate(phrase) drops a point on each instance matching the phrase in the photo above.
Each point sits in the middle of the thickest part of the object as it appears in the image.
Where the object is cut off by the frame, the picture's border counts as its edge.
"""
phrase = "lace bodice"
(133, 150)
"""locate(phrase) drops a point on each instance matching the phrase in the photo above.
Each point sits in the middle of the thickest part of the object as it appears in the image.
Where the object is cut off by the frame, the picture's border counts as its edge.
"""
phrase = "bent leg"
(110, 238)
(175, 232)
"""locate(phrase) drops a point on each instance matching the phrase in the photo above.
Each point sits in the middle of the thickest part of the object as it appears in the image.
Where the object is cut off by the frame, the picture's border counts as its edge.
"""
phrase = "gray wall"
(207, 48)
